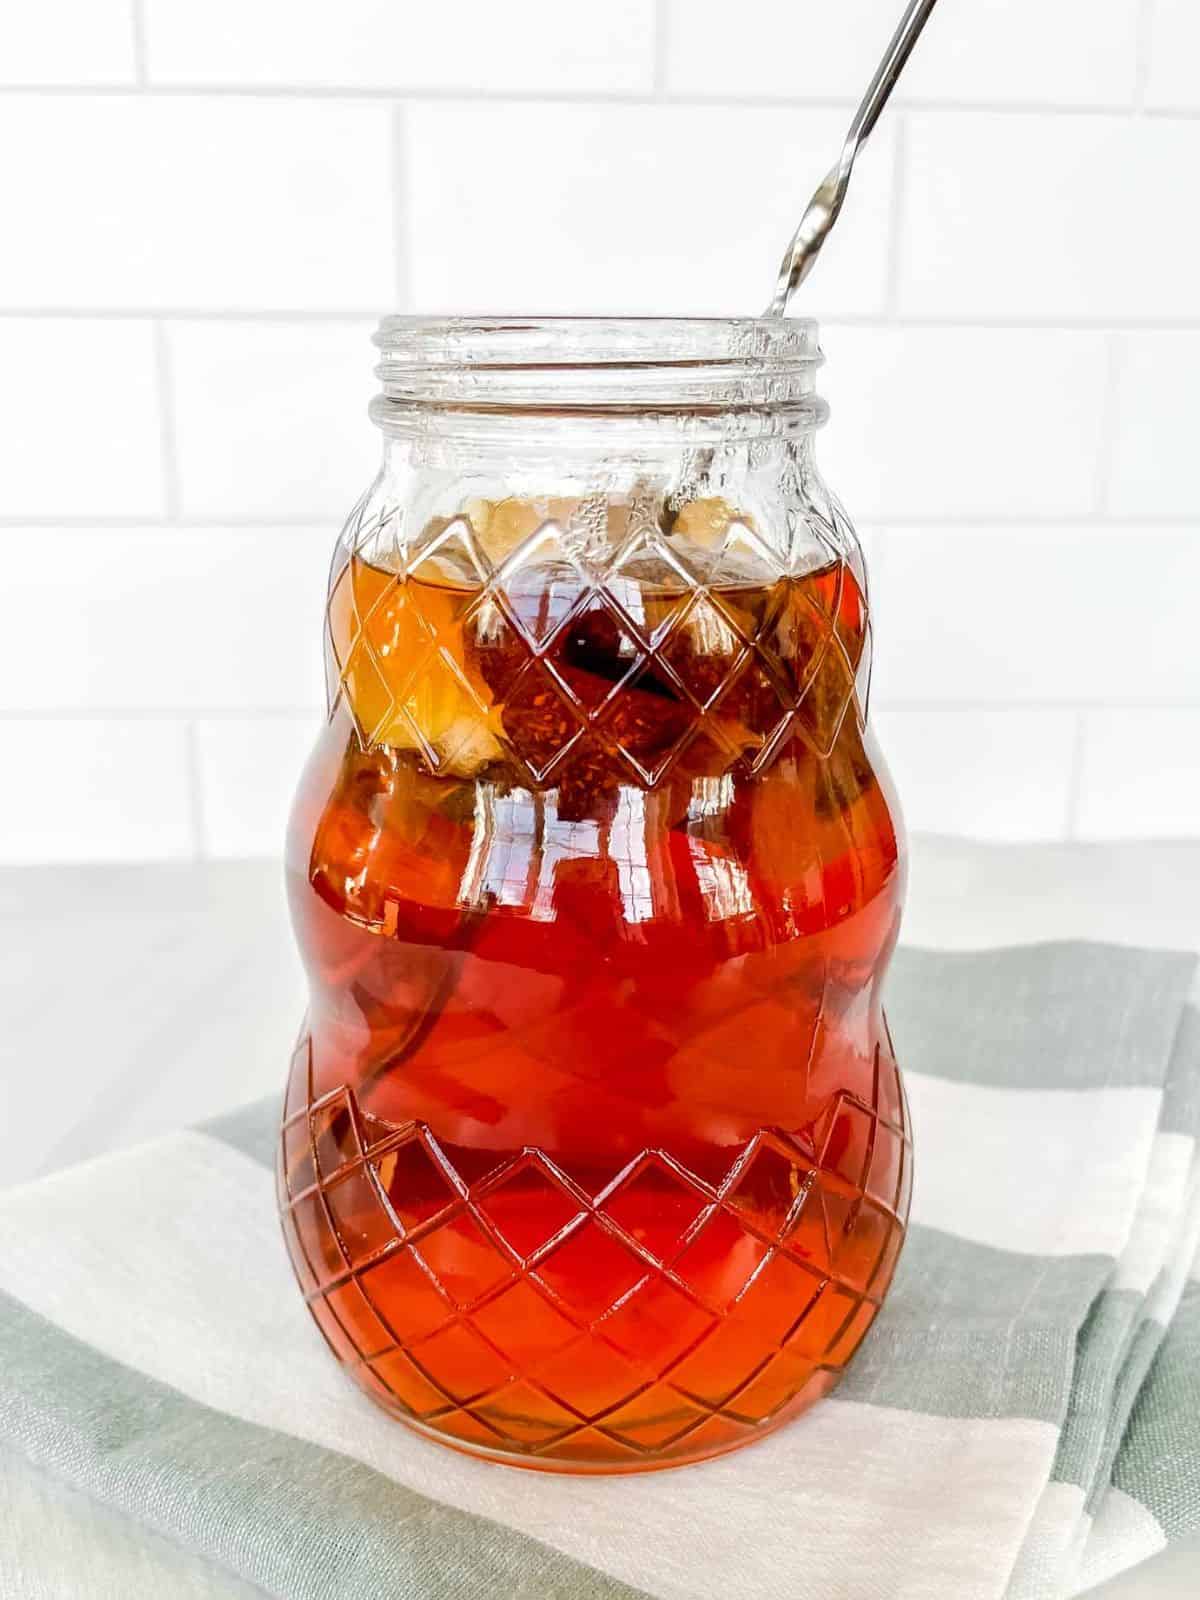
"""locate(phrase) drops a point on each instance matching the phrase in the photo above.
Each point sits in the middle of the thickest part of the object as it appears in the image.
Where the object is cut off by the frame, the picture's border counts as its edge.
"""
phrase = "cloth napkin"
(1023, 1420)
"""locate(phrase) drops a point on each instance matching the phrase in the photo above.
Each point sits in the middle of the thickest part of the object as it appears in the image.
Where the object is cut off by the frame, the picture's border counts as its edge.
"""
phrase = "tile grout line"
(1141, 55)
(1018, 706)
(284, 522)
(168, 313)
(185, 714)
(138, 25)
(1078, 522)
(937, 105)
(1075, 777)
(166, 420)
(662, 43)
(401, 228)
(195, 792)
(982, 323)
(896, 216)
(1109, 411)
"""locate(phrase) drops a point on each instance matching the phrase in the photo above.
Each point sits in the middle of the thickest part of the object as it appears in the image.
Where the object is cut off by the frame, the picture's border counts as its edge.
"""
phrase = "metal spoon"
(822, 210)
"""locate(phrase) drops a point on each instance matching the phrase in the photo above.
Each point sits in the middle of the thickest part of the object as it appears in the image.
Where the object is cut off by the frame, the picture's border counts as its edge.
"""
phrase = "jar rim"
(597, 365)
(571, 341)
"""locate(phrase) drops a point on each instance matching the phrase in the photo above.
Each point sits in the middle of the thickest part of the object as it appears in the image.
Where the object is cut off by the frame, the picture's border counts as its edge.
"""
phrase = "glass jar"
(595, 1154)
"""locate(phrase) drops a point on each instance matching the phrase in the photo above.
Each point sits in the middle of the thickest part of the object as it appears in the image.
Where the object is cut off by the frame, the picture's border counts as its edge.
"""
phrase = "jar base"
(734, 1436)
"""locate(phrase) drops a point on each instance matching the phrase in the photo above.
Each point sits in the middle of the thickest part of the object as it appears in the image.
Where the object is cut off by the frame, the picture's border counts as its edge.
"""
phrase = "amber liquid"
(595, 1154)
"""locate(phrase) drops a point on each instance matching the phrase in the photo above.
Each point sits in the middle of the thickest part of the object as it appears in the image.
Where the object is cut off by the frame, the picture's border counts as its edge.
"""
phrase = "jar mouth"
(597, 364)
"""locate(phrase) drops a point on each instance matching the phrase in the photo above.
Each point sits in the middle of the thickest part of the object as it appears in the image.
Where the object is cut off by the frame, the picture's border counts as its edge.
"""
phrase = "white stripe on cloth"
(1123, 1534)
(1058, 1519)
(168, 1259)
(1064, 1542)
(1048, 1171)
(1163, 1300)
(1158, 1213)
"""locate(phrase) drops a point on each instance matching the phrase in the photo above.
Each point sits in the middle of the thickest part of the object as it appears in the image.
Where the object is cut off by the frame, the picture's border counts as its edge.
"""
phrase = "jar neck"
(539, 455)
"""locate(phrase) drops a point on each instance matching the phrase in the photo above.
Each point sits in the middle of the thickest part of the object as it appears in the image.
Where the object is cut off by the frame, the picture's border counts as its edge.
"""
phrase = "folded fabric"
(1024, 1419)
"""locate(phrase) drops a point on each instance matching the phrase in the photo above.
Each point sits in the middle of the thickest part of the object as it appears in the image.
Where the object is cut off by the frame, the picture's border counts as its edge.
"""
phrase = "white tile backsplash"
(60, 458)
(138, 201)
(1029, 614)
(73, 42)
(95, 790)
(1000, 51)
(1049, 216)
(1172, 78)
(600, 208)
(208, 205)
(270, 418)
(162, 619)
(1061, 53)
(1153, 466)
(1140, 774)
(988, 774)
(525, 45)
(248, 771)
(963, 422)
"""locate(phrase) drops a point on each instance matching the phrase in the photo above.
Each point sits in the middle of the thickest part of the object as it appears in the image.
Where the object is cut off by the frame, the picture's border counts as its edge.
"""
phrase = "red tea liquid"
(595, 1154)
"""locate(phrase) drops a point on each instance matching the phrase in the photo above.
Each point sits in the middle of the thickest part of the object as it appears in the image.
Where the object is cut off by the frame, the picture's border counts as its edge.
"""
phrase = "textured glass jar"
(595, 1154)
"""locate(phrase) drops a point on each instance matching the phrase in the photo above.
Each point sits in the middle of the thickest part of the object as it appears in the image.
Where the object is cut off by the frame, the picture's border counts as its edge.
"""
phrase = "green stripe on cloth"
(50, 1533)
(1118, 1340)
(1058, 1016)
(253, 1129)
(963, 1372)
(1143, 1347)
(1104, 1342)
(943, 1278)
(1158, 1463)
(291, 1517)
(1181, 1092)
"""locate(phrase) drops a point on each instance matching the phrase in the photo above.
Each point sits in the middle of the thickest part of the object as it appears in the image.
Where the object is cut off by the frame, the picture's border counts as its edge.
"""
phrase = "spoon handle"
(822, 210)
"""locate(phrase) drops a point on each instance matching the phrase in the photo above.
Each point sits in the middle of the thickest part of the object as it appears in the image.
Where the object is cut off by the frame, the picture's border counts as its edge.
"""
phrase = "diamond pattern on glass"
(516, 1312)
(566, 651)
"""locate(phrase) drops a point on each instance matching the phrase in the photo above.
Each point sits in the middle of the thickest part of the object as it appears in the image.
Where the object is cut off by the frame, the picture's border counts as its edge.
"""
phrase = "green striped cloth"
(1024, 1419)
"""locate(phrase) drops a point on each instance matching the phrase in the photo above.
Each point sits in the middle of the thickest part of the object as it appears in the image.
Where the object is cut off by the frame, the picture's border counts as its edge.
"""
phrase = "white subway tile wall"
(246, 768)
(69, 42)
(1040, 217)
(993, 774)
(152, 202)
(1080, 616)
(527, 47)
(827, 49)
(269, 419)
(1154, 466)
(162, 620)
(556, 207)
(101, 458)
(1140, 762)
(206, 206)
(1172, 80)
(964, 422)
(97, 789)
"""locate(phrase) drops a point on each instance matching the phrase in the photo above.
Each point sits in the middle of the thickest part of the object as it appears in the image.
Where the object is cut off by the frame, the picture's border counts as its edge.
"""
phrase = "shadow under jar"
(595, 1154)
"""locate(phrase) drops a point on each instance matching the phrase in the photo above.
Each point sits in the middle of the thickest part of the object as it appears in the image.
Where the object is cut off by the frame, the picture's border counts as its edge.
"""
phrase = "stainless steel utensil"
(822, 210)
